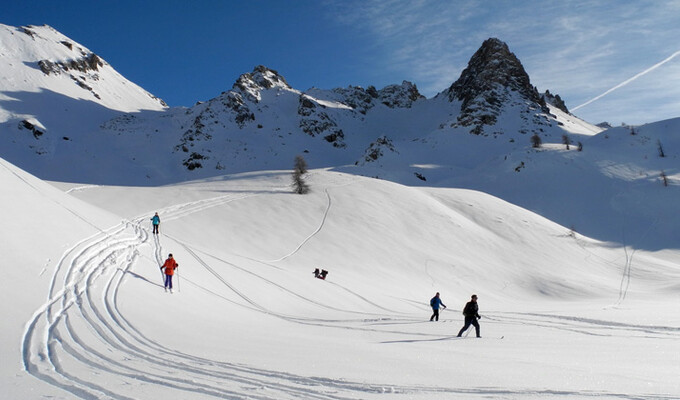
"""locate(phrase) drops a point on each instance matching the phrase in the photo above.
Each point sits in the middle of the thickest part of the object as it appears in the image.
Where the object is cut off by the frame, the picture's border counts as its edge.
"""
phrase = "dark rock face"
(26, 30)
(191, 137)
(392, 96)
(357, 97)
(400, 96)
(193, 161)
(252, 83)
(377, 149)
(492, 74)
(493, 65)
(89, 62)
(555, 100)
(316, 121)
(86, 63)
(234, 102)
(24, 124)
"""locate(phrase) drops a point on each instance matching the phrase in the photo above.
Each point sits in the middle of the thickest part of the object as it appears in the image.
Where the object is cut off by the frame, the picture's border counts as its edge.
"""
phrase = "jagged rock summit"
(251, 84)
(491, 67)
(493, 75)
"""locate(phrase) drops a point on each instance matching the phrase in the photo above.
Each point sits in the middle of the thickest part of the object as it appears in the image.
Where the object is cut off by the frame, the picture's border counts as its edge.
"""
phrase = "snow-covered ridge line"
(491, 131)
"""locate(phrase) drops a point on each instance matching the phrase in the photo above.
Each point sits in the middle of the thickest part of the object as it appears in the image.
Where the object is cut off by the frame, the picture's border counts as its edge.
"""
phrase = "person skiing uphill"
(155, 221)
(435, 303)
(471, 312)
(170, 266)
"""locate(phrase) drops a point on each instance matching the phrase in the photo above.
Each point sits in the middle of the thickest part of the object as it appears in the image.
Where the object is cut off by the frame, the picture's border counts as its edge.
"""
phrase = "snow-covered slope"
(564, 316)
(61, 105)
(40, 225)
(39, 59)
(54, 95)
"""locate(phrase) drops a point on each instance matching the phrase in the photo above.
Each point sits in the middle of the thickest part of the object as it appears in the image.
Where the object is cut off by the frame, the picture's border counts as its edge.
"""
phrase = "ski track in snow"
(323, 221)
(80, 327)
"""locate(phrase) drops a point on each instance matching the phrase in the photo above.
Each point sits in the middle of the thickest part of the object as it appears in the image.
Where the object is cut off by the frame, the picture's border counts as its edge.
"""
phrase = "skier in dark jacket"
(471, 312)
(435, 303)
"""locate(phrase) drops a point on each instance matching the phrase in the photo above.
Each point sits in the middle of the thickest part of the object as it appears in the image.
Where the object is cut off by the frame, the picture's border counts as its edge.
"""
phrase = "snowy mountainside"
(260, 123)
(54, 95)
(39, 58)
(40, 222)
(477, 134)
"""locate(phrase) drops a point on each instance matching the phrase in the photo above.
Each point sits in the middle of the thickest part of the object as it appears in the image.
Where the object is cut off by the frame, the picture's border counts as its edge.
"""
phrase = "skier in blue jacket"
(435, 303)
(155, 221)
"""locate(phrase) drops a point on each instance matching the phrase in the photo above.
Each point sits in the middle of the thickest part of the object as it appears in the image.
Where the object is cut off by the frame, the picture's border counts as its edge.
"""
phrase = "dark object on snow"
(316, 273)
(321, 275)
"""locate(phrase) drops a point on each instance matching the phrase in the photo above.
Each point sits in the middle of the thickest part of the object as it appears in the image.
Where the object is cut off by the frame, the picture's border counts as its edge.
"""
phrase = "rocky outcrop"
(492, 76)
(234, 102)
(555, 100)
(358, 98)
(399, 96)
(25, 124)
(317, 122)
(28, 31)
(392, 96)
(251, 84)
(89, 62)
(376, 150)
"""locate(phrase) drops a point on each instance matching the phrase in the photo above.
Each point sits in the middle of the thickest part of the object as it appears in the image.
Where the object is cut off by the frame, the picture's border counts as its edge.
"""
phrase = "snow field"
(563, 316)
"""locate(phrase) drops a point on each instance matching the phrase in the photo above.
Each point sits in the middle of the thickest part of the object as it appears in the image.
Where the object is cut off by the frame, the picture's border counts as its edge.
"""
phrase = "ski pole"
(178, 279)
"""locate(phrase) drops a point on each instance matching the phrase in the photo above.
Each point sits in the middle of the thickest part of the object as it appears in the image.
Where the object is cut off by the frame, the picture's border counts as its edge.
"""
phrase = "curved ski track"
(80, 328)
(81, 318)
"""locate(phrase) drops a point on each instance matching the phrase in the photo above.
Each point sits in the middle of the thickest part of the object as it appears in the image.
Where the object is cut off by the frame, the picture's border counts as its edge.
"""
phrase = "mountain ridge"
(218, 135)
(478, 134)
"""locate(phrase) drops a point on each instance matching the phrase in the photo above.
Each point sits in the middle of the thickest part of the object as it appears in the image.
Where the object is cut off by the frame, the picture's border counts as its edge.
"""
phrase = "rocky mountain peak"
(491, 66)
(485, 85)
(252, 83)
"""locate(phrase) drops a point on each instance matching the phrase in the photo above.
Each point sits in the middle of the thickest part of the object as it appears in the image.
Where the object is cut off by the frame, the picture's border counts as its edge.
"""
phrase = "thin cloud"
(627, 81)
(574, 48)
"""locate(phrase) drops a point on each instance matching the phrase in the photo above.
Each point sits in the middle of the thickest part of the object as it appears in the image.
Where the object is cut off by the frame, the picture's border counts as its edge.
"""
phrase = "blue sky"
(615, 61)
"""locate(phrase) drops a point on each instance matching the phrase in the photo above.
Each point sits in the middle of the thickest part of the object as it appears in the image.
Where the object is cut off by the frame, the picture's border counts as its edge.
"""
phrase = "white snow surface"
(85, 314)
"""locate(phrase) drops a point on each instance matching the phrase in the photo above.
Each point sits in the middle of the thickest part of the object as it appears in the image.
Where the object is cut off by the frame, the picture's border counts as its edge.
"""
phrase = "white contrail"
(624, 83)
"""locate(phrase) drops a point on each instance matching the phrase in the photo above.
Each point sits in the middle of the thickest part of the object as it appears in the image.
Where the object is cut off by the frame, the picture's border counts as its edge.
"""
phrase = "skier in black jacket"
(471, 312)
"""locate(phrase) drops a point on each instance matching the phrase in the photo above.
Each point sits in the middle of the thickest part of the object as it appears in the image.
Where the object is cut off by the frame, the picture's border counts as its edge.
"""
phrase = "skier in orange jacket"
(170, 265)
